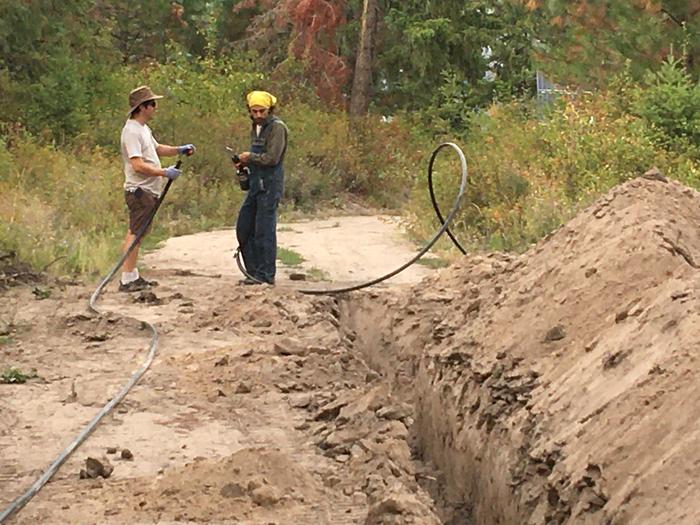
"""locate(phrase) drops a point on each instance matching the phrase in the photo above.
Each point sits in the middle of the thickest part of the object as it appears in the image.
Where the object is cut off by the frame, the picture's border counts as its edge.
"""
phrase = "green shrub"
(669, 101)
(530, 172)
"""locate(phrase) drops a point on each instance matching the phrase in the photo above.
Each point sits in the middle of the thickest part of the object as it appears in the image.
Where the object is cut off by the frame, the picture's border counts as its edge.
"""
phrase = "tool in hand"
(242, 172)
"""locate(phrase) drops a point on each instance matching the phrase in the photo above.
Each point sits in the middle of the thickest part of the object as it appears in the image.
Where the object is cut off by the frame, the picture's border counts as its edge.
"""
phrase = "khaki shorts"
(141, 204)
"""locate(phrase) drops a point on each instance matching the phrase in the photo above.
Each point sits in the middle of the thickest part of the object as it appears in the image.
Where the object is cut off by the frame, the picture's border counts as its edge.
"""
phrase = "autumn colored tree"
(314, 42)
(303, 29)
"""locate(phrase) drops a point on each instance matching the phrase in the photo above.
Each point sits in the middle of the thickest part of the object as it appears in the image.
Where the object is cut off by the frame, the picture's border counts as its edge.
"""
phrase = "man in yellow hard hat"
(256, 228)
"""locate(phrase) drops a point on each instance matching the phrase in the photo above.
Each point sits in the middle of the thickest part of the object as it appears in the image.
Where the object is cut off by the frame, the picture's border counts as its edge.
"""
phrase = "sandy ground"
(554, 387)
(346, 250)
(230, 424)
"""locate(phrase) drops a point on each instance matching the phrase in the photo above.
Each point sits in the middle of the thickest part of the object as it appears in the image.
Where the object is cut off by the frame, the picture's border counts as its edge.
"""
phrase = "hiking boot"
(137, 285)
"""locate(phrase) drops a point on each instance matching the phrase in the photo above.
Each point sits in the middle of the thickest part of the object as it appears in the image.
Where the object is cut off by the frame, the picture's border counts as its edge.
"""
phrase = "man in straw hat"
(144, 177)
(256, 228)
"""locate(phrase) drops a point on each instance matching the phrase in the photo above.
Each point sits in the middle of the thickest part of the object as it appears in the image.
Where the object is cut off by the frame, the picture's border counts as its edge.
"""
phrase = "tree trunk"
(362, 79)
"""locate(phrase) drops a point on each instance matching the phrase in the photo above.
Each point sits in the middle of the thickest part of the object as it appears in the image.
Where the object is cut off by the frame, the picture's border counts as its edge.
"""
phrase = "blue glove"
(187, 149)
(172, 172)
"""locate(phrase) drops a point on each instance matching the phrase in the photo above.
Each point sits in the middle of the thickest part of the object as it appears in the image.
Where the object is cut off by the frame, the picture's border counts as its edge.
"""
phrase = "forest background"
(367, 87)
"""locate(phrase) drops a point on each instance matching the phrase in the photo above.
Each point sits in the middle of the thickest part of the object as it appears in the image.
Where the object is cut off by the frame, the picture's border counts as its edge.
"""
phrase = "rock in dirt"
(126, 454)
(95, 468)
(97, 337)
(243, 388)
(265, 496)
(400, 508)
(370, 401)
(556, 333)
(222, 362)
(395, 411)
(232, 490)
(146, 297)
(301, 401)
(654, 174)
(290, 346)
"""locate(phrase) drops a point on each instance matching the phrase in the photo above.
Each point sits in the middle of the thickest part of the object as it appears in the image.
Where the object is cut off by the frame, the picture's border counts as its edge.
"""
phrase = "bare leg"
(130, 262)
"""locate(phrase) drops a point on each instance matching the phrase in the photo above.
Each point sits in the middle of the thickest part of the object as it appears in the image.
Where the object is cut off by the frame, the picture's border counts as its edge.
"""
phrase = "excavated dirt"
(561, 386)
(555, 387)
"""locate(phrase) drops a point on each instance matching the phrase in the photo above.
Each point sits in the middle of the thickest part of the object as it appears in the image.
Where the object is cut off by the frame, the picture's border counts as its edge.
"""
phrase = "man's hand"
(245, 157)
(172, 172)
(187, 149)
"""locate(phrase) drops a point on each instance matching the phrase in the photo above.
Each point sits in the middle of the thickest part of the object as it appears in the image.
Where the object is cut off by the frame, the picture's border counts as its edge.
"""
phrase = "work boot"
(137, 285)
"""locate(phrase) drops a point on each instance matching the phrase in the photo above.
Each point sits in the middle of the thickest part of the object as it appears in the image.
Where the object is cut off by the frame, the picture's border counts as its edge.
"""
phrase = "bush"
(530, 172)
(669, 101)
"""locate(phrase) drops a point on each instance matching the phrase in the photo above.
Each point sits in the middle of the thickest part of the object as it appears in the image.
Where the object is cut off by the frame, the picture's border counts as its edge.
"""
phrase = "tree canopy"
(451, 55)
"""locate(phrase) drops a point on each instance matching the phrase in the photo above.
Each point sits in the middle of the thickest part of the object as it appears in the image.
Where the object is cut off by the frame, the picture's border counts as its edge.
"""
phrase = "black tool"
(242, 172)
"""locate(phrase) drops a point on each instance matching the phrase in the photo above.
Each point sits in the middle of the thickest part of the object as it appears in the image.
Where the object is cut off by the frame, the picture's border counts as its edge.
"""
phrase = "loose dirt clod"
(95, 468)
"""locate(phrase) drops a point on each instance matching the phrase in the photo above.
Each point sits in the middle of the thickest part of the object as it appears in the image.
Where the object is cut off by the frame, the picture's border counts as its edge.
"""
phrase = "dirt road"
(343, 250)
(237, 420)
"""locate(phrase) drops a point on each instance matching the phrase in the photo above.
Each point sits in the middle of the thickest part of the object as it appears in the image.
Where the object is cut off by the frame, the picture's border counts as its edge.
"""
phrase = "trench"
(469, 483)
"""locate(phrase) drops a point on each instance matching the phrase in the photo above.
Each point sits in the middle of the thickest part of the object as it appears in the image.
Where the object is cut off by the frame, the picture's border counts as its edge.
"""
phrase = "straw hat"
(140, 95)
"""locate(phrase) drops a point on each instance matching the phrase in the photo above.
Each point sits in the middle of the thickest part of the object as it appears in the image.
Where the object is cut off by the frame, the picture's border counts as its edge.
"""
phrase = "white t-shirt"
(137, 141)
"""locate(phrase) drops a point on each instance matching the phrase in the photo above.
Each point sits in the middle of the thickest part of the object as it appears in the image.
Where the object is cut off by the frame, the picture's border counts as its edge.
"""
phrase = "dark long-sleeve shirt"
(275, 146)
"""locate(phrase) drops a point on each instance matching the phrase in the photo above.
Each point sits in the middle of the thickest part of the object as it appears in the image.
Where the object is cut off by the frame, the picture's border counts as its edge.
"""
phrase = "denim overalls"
(256, 228)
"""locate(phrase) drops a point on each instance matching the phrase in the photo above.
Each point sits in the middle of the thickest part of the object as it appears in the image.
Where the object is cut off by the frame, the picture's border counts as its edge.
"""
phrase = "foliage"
(53, 62)
(530, 171)
(670, 102)
(479, 48)
(589, 41)
(316, 274)
(13, 375)
(433, 262)
(289, 257)
(314, 42)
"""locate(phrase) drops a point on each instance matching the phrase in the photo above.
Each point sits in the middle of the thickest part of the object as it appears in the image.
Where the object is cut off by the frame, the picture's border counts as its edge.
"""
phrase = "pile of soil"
(560, 386)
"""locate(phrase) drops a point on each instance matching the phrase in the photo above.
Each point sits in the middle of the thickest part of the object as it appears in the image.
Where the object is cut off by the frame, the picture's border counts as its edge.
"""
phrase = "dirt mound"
(560, 386)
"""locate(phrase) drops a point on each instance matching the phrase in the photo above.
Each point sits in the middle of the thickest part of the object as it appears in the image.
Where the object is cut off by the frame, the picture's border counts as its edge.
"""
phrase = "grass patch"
(16, 376)
(433, 262)
(289, 257)
(316, 274)
(6, 340)
(41, 293)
